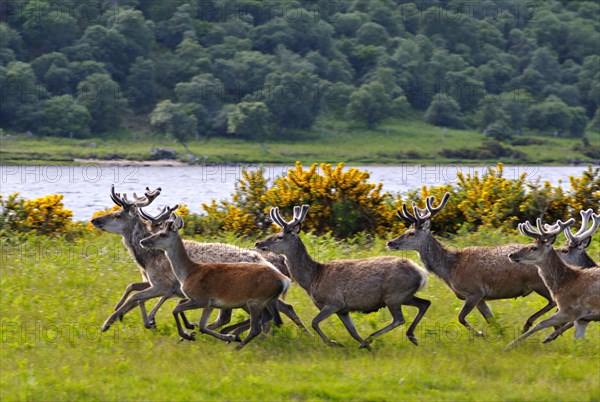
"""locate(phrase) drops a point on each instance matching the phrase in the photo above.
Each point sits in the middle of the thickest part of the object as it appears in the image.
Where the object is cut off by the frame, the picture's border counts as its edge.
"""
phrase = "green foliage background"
(191, 68)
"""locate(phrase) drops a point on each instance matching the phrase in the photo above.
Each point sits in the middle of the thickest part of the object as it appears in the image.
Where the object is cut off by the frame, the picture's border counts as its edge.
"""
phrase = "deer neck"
(181, 264)
(131, 240)
(436, 258)
(585, 261)
(554, 271)
(302, 267)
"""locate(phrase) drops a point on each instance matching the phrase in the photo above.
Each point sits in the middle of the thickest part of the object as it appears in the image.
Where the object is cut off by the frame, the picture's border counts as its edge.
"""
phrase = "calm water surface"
(86, 187)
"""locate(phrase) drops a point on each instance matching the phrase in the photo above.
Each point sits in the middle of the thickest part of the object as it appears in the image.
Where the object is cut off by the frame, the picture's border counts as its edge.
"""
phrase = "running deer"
(344, 286)
(474, 274)
(574, 253)
(126, 222)
(159, 280)
(253, 286)
(576, 291)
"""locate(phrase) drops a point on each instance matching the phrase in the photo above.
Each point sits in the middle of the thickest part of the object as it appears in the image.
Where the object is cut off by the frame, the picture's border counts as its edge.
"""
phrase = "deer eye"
(564, 251)
(534, 248)
(411, 234)
(162, 235)
(118, 216)
(279, 237)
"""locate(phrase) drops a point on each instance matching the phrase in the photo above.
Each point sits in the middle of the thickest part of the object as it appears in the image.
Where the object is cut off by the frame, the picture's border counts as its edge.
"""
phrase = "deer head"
(166, 236)
(544, 238)
(574, 251)
(289, 234)
(157, 223)
(120, 221)
(420, 224)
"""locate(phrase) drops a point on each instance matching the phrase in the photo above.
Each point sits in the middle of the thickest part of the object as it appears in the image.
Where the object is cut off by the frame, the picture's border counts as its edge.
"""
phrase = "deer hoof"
(413, 339)
(187, 337)
(150, 325)
(105, 327)
(335, 344)
(191, 326)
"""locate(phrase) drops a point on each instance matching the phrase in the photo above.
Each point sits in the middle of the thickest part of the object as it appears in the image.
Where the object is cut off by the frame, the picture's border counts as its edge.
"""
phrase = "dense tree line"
(256, 69)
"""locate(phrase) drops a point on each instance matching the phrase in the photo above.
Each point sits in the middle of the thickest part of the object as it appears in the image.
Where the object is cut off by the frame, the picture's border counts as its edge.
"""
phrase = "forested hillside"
(259, 69)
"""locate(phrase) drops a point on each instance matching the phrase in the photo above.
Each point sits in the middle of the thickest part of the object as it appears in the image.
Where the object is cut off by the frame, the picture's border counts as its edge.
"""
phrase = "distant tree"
(546, 63)
(11, 44)
(104, 100)
(291, 98)
(347, 24)
(59, 80)
(444, 111)
(20, 92)
(553, 115)
(251, 120)
(140, 90)
(82, 69)
(104, 45)
(170, 32)
(138, 32)
(498, 131)
(594, 124)
(171, 119)
(203, 89)
(372, 33)
(42, 64)
(64, 117)
(46, 29)
(370, 104)
(192, 59)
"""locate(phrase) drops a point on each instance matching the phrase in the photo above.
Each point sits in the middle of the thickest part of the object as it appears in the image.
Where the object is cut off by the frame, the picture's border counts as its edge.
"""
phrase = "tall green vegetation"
(259, 70)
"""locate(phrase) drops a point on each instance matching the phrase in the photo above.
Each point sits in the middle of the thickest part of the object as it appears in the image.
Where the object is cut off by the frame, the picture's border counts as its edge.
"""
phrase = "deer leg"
(131, 302)
(470, 303)
(203, 326)
(325, 312)
(555, 319)
(580, 327)
(538, 314)
(155, 309)
(186, 323)
(256, 313)
(237, 328)
(273, 311)
(224, 318)
(182, 306)
(485, 311)
(349, 324)
(423, 306)
(289, 311)
(132, 287)
(558, 332)
(397, 320)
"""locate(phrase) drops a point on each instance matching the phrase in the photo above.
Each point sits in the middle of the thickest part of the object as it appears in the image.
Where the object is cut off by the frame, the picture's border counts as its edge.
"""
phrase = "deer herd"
(225, 277)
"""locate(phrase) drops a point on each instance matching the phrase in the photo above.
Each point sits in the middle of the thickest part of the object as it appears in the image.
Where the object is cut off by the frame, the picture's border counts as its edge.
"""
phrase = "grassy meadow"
(57, 293)
(329, 141)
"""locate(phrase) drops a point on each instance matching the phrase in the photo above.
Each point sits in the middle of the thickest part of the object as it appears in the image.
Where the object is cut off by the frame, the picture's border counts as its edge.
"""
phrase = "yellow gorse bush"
(44, 215)
(342, 202)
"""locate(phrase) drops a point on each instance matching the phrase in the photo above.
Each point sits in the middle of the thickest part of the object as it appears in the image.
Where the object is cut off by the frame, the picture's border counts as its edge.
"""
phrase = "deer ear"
(584, 244)
(426, 225)
(178, 223)
(550, 240)
(296, 229)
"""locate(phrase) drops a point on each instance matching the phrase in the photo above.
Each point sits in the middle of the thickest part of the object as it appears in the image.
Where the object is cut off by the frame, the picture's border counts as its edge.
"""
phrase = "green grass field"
(329, 141)
(56, 295)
